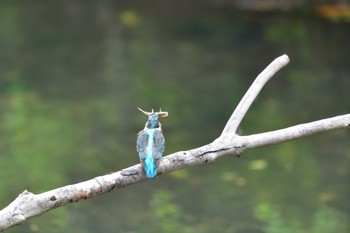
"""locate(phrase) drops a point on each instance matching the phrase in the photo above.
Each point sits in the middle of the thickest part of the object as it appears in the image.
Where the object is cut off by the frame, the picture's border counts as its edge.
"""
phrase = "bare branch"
(298, 131)
(253, 92)
(28, 205)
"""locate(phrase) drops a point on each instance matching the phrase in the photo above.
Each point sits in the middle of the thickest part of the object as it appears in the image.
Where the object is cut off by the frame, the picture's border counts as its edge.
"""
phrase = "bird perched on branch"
(151, 143)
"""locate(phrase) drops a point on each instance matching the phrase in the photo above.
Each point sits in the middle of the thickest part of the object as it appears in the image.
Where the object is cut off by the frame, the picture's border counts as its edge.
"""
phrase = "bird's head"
(153, 121)
(153, 118)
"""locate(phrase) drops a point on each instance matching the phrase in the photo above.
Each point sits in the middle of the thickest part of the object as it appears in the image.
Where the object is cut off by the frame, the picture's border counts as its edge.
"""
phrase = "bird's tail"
(150, 167)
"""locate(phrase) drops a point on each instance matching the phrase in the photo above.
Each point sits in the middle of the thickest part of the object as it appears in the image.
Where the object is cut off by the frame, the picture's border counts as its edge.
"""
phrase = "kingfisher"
(150, 143)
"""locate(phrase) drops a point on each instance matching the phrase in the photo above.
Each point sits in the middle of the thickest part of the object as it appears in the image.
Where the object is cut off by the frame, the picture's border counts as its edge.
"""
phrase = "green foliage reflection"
(326, 219)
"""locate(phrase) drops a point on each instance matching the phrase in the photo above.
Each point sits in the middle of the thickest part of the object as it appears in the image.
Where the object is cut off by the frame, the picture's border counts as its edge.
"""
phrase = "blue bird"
(151, 143)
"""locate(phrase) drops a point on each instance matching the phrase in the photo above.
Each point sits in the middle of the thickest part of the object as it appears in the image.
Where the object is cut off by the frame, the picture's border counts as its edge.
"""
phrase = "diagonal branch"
(253, 92)
(28, 205)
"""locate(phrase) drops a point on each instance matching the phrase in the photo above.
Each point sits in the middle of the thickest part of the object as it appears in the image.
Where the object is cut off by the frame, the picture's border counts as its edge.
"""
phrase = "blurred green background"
(72, 74)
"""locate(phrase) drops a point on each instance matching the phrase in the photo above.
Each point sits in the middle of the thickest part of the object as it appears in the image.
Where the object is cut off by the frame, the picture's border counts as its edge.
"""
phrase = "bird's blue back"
(150, 146)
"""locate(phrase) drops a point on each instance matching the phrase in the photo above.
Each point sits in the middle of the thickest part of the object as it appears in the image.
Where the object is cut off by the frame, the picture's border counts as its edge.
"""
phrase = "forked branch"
(28, 205)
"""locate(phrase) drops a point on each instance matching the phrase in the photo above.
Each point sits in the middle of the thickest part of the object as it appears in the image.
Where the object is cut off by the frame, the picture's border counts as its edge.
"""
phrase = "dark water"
(72, 75)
